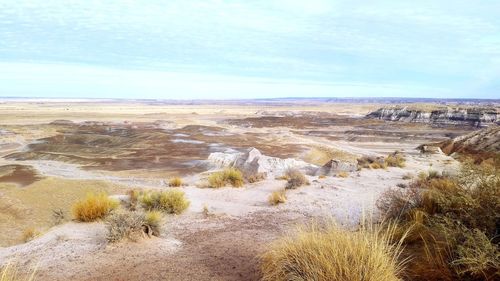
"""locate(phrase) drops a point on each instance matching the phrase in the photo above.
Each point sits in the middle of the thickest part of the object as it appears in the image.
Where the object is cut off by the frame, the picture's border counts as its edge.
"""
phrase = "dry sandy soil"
(54, 153)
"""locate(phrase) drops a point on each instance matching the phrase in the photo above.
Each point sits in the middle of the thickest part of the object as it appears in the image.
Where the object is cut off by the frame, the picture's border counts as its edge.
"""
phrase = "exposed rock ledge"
(253, 162)
(472, 116)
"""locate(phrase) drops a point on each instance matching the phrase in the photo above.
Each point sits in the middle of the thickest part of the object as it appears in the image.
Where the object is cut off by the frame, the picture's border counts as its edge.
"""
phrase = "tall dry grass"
(331, 253)
(12, 272)
(227, 176)
(172, 201)
(93, 207)
(452, 223)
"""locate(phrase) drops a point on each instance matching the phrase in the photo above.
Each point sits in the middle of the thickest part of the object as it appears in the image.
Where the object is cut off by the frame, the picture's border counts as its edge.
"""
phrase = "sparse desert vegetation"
(332, 253)
(29, 234)
(141, 155)
(132, 225)
(295, 179)
(93, 207)
(452, 223)
(277, 197)
(170, 201)
(231, 176)
(13, 271)
(175, 182)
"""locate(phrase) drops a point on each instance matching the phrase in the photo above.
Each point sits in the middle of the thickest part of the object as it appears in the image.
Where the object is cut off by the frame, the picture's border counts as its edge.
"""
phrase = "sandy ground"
(224, 245)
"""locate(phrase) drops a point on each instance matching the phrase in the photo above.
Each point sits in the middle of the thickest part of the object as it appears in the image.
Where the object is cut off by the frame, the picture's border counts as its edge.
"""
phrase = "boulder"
(333, 167)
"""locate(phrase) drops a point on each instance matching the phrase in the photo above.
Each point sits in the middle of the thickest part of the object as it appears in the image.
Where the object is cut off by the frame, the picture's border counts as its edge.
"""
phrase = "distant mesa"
(470, 116)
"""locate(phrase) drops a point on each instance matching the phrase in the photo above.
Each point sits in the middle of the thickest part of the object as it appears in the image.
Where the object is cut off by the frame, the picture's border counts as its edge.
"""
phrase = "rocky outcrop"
(254, 162)
(471, 116)
(486, 140)
(333, 167)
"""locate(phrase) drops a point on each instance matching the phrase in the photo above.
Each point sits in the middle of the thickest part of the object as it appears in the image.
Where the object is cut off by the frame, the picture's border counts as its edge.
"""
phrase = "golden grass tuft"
(11, 272)
(277, 197)
(227, 176)
(343, 174)
(29, 234)
(94, 207)
(333, 254)
(175, 182)
(170, 201)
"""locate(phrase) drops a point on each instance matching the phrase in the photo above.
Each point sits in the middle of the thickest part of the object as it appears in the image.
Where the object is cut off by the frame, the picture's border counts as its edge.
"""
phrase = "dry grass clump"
(227, 176)
(395, 159)
(333, 254)
(343, 174)
(256, 177)
(175, 182)
(29, 234)
(295, 178)
(170, 201)
(452, 223)
(132, 225)
(277, 197)
(93, 207)
(371, 162)
(11, 272)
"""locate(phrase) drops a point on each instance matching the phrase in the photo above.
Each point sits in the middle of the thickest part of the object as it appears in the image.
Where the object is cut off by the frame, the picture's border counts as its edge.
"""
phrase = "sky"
(183, 49)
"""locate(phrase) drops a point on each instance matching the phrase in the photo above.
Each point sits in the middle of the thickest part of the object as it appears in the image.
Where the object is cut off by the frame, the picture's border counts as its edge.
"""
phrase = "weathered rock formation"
(333, 167)
(486, 140)
(471, 116)
(254, 162)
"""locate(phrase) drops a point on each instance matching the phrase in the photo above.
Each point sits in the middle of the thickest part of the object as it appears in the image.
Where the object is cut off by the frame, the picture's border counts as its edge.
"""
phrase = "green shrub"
(170, 201)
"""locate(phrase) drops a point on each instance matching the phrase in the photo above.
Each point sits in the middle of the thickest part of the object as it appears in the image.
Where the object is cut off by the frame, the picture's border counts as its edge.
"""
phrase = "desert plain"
(52, 153)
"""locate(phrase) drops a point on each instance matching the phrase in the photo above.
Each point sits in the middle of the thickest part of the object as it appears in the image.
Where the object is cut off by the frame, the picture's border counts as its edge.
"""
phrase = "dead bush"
(295, 179)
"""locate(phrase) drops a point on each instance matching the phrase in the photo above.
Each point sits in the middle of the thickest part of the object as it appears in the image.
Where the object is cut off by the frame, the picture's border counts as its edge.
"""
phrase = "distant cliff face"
(474, 116)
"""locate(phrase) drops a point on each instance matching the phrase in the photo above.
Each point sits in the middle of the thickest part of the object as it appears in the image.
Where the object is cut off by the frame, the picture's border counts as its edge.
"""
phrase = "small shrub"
(93, 207)
(125, 224)
(230, 176)
(170, 201)
(152, 221)
(133, 198)
(332, 254)
(256, 177)
(175, 182)
(277, 197)
(295, 179)
(343, 174)
(322, 177)
(205, 210)
(408, 176)
(58, 216)
(30, 234)
(395, 159)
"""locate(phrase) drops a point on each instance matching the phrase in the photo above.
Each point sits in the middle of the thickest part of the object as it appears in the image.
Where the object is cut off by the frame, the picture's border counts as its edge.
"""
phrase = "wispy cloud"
(440, 46)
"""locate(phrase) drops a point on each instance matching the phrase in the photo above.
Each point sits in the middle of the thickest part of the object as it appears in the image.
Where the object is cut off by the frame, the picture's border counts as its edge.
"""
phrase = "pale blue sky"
(245, 49)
